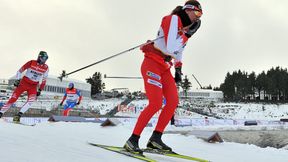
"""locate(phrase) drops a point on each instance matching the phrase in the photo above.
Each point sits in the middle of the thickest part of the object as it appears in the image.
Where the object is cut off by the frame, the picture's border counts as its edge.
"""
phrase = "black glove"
(78, 103)
(16, 83)
(193, 28)
(61, 104)
(178, 75)
(39, 92)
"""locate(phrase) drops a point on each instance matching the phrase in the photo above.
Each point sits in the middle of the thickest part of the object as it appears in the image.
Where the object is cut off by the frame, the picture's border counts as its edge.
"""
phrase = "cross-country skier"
(176, 28)
(36, 72)
(73, 97)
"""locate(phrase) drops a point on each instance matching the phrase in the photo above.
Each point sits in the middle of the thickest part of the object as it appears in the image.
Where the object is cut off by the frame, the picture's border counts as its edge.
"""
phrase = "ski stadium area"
(244, 132)
(257, 127)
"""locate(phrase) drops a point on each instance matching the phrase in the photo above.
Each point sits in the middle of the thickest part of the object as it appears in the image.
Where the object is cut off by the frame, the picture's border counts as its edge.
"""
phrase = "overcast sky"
(250, 35)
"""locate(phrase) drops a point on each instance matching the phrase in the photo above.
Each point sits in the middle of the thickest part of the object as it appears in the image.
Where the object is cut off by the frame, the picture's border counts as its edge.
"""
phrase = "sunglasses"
(198, 13)
(197, 10)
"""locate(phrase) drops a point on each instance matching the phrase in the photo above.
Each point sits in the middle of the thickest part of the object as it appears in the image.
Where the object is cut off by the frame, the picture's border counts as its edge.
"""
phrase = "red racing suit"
(35, 73)
(155, 69)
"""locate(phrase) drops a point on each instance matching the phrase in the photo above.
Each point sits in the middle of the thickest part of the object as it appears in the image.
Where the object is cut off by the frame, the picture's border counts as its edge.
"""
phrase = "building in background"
(5, 92)
(202, 94)
(3, 83)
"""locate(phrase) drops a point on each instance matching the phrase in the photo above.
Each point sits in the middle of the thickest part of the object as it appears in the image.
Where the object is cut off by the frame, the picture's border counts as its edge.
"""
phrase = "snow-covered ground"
(251, 111)
(67, 142)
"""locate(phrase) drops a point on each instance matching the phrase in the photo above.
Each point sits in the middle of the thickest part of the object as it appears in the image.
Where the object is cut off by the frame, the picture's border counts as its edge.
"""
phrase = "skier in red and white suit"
(36, 71)
(176, 29)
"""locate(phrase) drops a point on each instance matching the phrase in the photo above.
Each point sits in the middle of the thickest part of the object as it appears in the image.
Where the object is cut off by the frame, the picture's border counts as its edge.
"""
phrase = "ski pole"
(105, 59)
(117, 77)
(108, 58)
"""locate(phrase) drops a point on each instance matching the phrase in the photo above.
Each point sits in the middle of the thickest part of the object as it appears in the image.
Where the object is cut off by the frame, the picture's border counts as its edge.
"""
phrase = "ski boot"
(1, 114)
(16, 118)
(155, 142)
(132, 146)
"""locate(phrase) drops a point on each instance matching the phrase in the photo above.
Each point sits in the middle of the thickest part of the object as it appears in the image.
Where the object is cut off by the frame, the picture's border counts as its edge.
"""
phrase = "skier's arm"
(63, 99)
(80, 97)
(178, 72)
(23, 68)
(43, 83)
(171, 31)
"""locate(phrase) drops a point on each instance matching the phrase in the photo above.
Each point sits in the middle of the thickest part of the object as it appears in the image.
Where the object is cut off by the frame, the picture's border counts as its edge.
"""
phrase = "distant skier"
(36, 72)
(73, 97)
(176, 28)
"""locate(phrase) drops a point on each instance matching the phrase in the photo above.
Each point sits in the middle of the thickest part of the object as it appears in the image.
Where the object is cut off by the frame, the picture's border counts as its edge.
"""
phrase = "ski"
(25, 124)
(122, 151)
(173, 154)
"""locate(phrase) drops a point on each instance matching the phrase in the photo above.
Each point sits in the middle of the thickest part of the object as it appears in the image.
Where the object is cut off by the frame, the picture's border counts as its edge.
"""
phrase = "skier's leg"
(71, 106)
(172, 121)
(171, 96)
(66, 111)
(17, 92)
(65, 107)
(155, 102)
(68, 107)
(31, 98)
(32, 91)
(153, 87)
